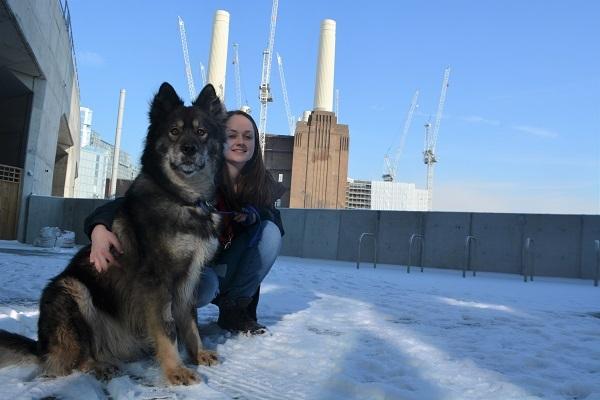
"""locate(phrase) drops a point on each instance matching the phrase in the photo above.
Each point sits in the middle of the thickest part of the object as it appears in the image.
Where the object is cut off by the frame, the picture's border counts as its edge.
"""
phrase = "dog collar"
(206, 206)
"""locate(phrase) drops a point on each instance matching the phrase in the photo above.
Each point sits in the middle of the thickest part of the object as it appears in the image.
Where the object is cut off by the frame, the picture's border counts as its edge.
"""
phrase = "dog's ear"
(209, 101)
(164, 102)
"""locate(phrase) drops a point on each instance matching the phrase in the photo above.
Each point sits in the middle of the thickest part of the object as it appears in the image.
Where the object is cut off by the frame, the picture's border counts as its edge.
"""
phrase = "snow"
(341, 333)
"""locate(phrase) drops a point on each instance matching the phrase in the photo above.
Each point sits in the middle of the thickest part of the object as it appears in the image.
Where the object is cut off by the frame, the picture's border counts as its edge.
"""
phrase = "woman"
(251, 237)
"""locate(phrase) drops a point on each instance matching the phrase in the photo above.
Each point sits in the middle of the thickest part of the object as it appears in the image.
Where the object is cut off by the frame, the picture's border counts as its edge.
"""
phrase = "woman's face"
(239, 146)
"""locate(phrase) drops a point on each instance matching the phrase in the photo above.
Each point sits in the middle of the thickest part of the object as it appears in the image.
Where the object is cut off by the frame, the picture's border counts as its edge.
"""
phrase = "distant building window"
(280, 178)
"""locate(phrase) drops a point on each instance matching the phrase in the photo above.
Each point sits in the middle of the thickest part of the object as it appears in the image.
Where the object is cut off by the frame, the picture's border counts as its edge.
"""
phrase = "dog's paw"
(206, 357)
(106, 371)
(181, 375)
(103, 371)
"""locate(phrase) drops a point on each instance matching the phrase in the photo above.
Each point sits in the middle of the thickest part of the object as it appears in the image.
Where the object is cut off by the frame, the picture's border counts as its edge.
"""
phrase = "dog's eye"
(174, 131)
(201, 131)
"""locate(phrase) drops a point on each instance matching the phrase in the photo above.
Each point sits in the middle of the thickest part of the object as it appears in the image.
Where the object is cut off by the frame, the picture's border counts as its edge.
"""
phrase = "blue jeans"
(239, 270)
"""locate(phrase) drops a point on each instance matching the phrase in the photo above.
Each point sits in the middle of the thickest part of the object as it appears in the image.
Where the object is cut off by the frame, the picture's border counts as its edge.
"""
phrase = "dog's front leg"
(161, 327)
(188, 331)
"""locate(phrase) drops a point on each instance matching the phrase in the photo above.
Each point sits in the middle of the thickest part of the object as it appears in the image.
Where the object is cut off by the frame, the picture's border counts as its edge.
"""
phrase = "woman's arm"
(97, 226)
(272, 214)
(103, 215)
(104, 242)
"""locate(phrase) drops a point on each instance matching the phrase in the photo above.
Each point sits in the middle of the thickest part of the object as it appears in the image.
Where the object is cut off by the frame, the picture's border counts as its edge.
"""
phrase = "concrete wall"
(66, 213)
(55, 96)
(563, 244)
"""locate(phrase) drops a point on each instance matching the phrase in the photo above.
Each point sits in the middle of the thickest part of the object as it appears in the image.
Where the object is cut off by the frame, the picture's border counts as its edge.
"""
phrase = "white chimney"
(325, 67)
(217, 59)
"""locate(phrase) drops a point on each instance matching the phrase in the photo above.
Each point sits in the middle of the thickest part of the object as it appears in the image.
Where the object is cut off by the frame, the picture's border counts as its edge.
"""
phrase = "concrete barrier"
(590, 231)
(445, 234)
(499, 242)
(395, 229)
(321, 233)
(66, 213)
(351, 226)
(563, 244)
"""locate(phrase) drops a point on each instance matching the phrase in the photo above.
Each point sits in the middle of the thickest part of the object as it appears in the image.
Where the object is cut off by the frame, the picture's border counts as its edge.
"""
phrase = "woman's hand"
(247, 216)
(101, 256)
(240, 217)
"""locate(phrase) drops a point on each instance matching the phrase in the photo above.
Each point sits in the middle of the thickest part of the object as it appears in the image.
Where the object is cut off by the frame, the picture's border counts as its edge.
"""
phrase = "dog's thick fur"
(92, 321)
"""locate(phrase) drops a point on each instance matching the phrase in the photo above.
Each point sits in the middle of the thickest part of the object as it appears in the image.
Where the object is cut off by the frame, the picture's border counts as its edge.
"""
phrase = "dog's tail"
(17, 349)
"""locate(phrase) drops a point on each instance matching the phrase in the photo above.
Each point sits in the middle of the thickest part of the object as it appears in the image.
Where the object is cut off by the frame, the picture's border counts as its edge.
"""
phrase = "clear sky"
(521, 127)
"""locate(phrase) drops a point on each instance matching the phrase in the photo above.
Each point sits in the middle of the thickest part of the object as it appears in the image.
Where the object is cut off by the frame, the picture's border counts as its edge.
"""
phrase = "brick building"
(320, 163)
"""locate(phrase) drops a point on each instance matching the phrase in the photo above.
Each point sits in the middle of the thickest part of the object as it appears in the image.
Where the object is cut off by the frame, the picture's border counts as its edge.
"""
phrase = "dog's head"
(184, 146)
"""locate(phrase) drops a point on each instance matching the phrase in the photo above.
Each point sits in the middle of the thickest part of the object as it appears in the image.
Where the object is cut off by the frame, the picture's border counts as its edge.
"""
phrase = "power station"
(320, 164)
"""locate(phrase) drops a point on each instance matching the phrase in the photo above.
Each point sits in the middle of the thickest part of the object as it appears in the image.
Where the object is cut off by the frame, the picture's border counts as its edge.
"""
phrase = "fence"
(10, 189)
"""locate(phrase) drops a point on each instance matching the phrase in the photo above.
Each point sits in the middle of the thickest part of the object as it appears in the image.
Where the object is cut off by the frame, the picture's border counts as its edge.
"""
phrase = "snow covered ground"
(341, 333)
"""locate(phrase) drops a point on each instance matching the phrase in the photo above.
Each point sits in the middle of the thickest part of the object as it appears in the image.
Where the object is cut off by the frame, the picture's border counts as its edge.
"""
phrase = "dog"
(91, 321)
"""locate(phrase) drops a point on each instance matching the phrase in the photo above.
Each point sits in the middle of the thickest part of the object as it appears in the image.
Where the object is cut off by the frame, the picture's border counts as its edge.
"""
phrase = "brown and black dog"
(92, 321)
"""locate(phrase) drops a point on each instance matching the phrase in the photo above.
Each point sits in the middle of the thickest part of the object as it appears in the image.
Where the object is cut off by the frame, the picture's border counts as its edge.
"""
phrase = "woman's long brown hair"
(255, 185)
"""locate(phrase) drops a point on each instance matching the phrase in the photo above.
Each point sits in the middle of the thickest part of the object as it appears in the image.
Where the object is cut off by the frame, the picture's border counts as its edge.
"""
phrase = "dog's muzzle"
(189, 167)
(189, 149)
(187, 158)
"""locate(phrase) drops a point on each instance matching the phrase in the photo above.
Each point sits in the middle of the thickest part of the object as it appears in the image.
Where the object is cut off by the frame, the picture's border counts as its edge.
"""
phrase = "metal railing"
(362, 236)
(467, 266)
(597, 245)
(528, 259)
(415, 237)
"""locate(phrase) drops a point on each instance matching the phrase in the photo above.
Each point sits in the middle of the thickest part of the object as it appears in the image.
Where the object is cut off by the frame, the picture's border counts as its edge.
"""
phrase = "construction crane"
(238, 84)
(391, 164)
(264, 94)
(186, 60)
(203, 74)
(286, 100)
(238, 81)
(431, 136)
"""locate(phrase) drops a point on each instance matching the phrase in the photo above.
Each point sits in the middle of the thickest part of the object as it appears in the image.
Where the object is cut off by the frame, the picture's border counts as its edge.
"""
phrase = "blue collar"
(206, 206)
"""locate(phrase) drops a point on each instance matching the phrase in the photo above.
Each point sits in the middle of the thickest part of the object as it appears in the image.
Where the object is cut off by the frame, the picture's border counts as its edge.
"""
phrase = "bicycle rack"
(467, 264)
(597, 243)
(411, 242)
(375, 248)
(527, 260)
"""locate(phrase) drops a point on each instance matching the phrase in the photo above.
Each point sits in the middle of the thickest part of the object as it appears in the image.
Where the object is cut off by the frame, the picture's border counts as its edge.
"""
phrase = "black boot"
(233, 316)
(253, 304)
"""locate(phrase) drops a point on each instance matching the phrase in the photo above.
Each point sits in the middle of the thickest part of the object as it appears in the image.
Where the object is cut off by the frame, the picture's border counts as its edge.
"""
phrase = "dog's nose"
(189, 149)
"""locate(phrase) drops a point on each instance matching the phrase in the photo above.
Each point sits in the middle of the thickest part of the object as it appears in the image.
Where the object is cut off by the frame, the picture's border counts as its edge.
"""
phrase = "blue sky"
(521, 126)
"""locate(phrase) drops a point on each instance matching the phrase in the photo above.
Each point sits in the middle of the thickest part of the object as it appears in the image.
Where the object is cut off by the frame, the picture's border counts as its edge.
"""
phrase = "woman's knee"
(208, 288)
(270, 232)
(270, 242)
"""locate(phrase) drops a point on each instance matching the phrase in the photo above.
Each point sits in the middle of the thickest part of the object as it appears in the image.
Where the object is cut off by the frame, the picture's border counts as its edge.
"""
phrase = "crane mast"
(286, 100)
(431, 136)
(203, 74)
(186, 60)
(429, 160)
(238, 84)
(391, 165)
(264, 94)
